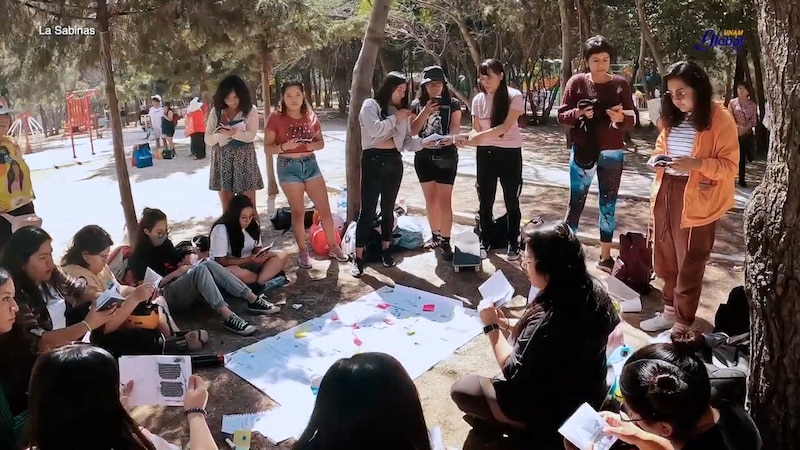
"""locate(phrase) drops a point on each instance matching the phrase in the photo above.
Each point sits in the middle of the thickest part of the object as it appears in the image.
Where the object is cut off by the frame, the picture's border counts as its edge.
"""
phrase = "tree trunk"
(472, 44)
(360, 90)
(742, 70)
(120, 161)
(762, 134)
(772, 238)
(651, 41)
(639, 74)
(584, 19)
(566, 57)
(266, 67)
(728, 80)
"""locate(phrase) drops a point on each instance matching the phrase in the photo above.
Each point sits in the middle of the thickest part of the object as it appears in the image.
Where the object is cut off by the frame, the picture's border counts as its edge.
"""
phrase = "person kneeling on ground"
(183, 283)
(668, 402)
(356, 397)
(555, 358)
(236, 245)
(86, 258)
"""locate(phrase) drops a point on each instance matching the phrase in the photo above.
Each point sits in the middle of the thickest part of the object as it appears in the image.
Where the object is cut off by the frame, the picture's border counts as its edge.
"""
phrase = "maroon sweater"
(609, 94)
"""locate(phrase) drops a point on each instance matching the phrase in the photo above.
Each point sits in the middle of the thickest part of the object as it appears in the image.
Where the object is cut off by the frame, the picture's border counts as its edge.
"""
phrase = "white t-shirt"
(56, 307)
(482, 111)
(221, 247)
(156, 113)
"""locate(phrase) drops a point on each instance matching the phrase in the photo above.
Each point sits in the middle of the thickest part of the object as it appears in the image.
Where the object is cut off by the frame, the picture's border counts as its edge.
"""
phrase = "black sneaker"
(447, 250)
(606, 265)
(357, 268)
(484, 253)
(239, 326)
(261, 306)
(513, 253)
(387, 259)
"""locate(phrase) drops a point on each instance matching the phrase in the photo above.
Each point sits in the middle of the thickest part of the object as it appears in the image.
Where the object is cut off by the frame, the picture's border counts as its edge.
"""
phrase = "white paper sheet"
(496, 290)
(150, 276)
(584, 429)
(157, 379)
(232, 423)
(532, 294)
(284, 422)
(436, 438)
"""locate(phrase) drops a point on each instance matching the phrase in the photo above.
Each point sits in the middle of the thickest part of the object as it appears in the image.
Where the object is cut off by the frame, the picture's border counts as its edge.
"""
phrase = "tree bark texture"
(762, 134)
(266, 68)
(655, 50)
(120, 161)
(360, 91)
(772, 238)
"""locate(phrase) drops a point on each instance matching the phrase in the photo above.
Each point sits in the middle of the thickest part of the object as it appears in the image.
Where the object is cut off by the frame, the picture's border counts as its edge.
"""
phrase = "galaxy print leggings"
(609, 172)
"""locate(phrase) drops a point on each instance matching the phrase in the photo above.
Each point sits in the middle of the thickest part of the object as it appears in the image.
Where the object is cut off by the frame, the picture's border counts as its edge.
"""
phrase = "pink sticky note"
(428, 308)
(355, 326)
(384, 305)
(388, 321)
(357, 341)
(335, 318)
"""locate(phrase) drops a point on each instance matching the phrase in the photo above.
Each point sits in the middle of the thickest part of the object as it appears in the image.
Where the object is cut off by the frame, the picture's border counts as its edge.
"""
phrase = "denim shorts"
(297, 170)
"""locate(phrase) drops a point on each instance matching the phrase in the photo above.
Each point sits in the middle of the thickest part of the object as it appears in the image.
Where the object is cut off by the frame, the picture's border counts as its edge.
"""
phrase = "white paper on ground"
(232, 423)
(157, 379)
(496, 290)
(628, 299)
(437, 438)
(584, 429)
(284, 422)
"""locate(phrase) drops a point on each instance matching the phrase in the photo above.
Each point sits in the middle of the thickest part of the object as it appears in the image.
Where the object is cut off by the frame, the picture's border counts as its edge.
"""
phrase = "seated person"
(236, 245)
(202, 247)
(668, 402)
(17, 355)
(183, 283)
(52, 304)
(77, 387)
(555, 357)
(355, 398)
(86, 258)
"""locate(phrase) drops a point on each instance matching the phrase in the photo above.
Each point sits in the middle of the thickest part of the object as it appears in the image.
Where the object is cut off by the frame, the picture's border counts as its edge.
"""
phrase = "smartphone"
(439, 100)
(264, 250)
(221, 127)
(662, 161)
(305, 141)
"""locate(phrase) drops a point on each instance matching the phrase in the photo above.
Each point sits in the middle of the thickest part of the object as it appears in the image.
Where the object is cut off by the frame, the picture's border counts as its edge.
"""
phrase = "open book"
(496, 291)
(584, 429)
(110, 298)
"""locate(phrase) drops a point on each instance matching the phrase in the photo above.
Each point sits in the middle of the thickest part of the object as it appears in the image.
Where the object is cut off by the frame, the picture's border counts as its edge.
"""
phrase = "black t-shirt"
(437, 122)
(162, 259)
(558, 363)
(735, 430)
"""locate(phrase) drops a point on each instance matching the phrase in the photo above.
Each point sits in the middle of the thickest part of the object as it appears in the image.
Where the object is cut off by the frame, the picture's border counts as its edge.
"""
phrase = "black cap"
(433, 73)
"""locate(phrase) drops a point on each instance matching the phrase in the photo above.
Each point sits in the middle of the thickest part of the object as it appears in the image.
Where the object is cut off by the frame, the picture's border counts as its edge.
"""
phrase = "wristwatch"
(491, 327)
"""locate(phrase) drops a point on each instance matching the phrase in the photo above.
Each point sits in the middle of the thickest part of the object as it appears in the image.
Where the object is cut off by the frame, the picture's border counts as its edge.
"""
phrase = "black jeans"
(381, 175)
(198, 145)
(504, 164)
(746, 143)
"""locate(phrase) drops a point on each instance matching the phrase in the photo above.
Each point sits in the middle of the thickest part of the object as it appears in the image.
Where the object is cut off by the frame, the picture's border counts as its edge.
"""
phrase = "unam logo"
(728, 38)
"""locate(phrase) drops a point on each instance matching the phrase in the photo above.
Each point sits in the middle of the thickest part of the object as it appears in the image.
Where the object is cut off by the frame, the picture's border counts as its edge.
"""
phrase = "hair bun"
(665, 383)
(687, 341)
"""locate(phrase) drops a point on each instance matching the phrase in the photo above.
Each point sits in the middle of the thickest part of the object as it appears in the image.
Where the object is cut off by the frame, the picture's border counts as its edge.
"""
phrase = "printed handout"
(496, 291)
(157, 379)
(584, 429)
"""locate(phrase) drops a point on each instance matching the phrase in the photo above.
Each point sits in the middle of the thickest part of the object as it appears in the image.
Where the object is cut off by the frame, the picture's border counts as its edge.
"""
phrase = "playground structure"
(27, 128)
(79, 116)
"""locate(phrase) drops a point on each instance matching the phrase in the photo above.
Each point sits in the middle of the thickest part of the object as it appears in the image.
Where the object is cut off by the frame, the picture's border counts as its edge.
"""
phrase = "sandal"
(195, 339)
(304, 260)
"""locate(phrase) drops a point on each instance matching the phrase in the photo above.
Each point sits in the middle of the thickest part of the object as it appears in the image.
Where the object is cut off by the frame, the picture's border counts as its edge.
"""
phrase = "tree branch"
(141, 11)
(37, 5)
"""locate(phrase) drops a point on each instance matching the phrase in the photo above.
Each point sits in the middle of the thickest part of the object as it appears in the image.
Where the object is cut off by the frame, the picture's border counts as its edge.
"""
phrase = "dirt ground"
(319, 289)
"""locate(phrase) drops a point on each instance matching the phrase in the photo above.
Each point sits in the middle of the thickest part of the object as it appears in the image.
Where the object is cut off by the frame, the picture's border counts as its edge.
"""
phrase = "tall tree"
(655, 50)
(772, 238)
(360, 90)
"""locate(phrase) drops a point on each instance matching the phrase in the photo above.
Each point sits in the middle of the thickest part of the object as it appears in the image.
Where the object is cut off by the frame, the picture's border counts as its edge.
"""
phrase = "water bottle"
(341, 204)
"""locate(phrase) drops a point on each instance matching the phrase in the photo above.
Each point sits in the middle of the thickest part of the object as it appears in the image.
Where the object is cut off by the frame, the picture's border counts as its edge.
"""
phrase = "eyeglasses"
(679, 94)
(625, 416)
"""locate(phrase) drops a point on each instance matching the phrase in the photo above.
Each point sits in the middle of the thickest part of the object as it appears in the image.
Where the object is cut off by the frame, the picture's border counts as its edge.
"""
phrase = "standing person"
(16, 208)
(385, 126)
(156, 114)
(196, 128)
(437, 113)
(495, 131)
(294, 133)
(593, 108)
(168, 123)
(230, 131)
(692, 190)
(745, 112)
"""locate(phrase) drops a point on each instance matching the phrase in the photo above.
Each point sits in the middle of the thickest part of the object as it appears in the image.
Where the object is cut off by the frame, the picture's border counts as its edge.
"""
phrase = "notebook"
(584, 429)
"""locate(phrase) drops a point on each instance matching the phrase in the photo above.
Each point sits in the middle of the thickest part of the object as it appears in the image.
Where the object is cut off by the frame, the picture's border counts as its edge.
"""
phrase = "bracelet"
(195, 411)
(88, 327)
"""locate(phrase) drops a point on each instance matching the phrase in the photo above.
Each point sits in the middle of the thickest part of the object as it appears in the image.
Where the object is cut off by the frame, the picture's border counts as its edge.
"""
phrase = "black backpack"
(496, 236)
(733, 317)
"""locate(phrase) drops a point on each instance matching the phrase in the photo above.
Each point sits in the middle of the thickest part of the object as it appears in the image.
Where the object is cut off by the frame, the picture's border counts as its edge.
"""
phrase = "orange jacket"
(709, 193)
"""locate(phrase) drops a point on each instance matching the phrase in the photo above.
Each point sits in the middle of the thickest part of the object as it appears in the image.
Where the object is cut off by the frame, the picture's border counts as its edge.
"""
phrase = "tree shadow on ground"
(161, 168)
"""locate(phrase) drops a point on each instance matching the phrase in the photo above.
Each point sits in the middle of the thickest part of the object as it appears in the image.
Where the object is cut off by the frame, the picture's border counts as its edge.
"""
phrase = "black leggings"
(381, 175)
(746, 142)
(505, 164)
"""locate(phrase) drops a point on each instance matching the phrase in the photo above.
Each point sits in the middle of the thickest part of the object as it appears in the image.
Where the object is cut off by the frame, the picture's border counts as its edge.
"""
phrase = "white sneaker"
(659, 322)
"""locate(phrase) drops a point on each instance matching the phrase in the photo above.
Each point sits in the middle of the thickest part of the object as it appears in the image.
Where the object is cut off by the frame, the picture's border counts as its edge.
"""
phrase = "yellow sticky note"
(251, 348)
(301, 334)
(411, 332)
(241, 439)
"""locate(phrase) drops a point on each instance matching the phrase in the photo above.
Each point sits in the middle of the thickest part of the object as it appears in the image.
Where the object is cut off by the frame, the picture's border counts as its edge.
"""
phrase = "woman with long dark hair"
(555, 356)
(79, 383)
(17, 355)
(86, 258)
(668, 404)
(294, 133)
(385, 130)
(495, 131)
(367, 401)
(438, 112)
(52, 304)
(231, 129)
(744, 110)
(182, 283)
(235, 241)
(594, 105)
(695, 159)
